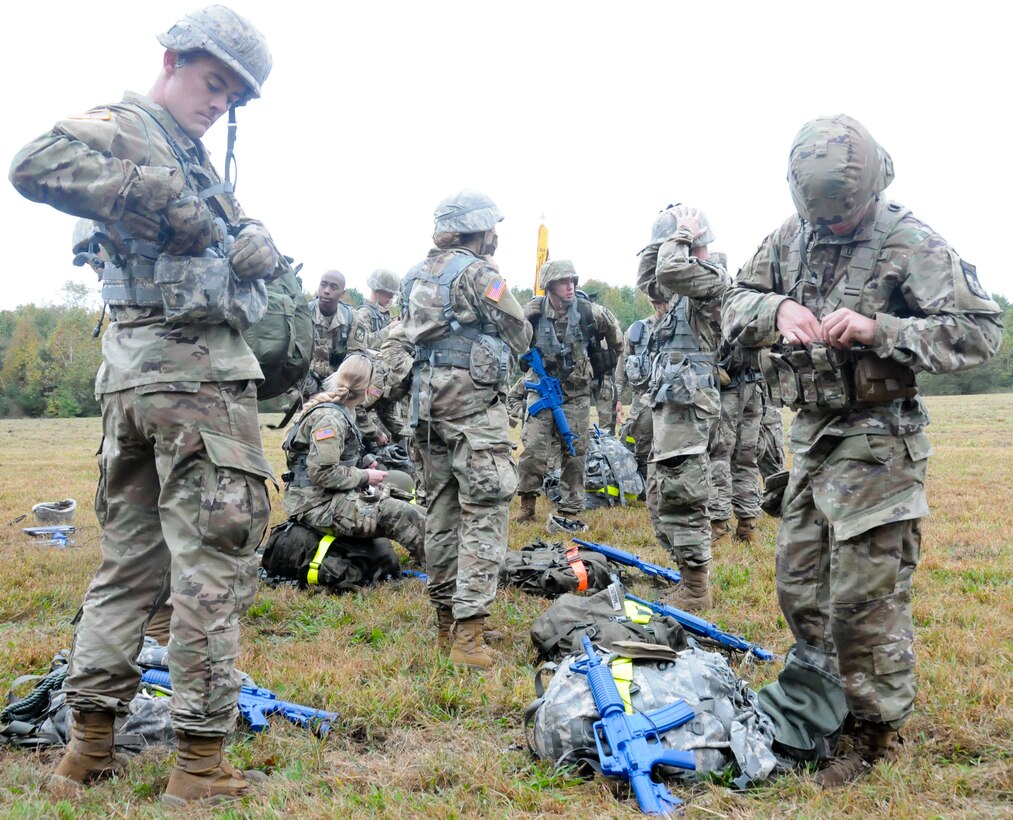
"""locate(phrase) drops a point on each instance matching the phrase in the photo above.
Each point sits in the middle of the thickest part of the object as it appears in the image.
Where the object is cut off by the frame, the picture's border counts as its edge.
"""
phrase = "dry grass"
(419, 737)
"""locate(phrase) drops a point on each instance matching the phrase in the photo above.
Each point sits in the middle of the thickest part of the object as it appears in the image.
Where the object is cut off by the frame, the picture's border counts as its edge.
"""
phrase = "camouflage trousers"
(185, 507)
(770, 455)
(847, 548)
(356, 516)
(678, 487)
(470, 479)
(735, 479)
(642, 430)
(537, 440)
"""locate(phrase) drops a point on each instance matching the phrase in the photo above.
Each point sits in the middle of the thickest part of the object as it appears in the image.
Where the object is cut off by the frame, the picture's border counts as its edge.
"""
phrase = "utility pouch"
(489, 363)
(815, 377)
(880, 380)
(602, 361)
(203, 290)
(638, 371)
(681, 377)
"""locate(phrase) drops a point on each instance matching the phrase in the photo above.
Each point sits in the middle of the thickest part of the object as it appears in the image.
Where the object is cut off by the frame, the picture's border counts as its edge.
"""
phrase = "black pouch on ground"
(297, 553)
(550, 569)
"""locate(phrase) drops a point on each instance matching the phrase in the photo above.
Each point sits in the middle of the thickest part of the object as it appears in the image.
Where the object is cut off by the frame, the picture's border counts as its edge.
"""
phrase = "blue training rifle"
(629, 746)
(256, 704)
(550, 396)
(630, 560)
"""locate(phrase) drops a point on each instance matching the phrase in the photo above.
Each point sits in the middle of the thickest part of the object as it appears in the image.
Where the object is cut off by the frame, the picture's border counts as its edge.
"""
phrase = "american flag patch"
(375, 392)
(324, 433)
(495, 290)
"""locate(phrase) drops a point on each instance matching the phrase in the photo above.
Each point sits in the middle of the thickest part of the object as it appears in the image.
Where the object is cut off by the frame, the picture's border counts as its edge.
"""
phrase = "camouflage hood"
(835, 168)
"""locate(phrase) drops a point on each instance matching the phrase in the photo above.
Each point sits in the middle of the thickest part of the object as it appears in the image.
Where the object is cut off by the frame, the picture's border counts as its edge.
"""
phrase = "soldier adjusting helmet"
(555, 270)
(466, 212)
(668, 223)
(835, 168)
(225, 35)
(384, 280)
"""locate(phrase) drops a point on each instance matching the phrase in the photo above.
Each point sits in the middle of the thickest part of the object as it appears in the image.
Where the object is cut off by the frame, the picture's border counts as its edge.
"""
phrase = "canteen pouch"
(489, 362)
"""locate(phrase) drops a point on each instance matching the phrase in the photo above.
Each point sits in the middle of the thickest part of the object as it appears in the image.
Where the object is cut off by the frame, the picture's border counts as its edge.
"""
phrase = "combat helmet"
(835, 168)
(667, 224)
(385, 280)
(86, 231)
(467, 211)
(227, 36)
(554, 270)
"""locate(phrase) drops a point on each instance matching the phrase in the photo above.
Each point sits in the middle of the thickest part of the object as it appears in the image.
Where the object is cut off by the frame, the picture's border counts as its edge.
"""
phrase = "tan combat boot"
(719, 530)
(745, 530)
(202, 773)
(875, 742)
(444, 628)
(693, 594)
(469, 647)
(89, 756)
(527, 513)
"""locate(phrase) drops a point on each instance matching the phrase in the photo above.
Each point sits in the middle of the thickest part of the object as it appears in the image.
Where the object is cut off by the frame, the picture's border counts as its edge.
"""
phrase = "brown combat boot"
(444, 628)
(89, 756)
(745, 530)
(874, 742)
(202, 773)
(469, 647)
(527, 513)
(693, 594)
(719, 530)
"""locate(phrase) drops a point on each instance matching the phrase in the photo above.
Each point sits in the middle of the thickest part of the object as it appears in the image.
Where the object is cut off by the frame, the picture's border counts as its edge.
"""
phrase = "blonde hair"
(347, 383)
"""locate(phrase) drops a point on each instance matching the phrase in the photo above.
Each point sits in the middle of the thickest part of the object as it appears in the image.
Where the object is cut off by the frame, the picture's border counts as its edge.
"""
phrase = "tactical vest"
(637, 366)
(561, 355)
(680, 366)
(130, 280)
(296, 451)
(378, 319)
(820, 376)
(339, 343)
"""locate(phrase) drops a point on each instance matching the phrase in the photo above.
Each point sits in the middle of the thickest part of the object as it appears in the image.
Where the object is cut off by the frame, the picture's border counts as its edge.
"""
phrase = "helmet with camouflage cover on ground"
(228, 37)
(556, 270)
(673, 217)
(385, 280)
(467, 211)
(835, 168)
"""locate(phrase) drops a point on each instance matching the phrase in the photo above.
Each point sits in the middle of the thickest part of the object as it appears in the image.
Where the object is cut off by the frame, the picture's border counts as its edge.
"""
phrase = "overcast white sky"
(596, 114)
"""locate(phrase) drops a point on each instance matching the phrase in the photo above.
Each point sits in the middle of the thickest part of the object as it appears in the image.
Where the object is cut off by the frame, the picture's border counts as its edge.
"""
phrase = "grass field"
(418, 737)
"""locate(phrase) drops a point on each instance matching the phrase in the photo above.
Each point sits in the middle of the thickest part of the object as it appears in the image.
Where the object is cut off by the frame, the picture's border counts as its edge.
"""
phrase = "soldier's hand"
(619, 412)
(687, 217)
(191, 227)
(797, 324)
(844, 328)
(254, 255)
(533, 308)
(376, 476)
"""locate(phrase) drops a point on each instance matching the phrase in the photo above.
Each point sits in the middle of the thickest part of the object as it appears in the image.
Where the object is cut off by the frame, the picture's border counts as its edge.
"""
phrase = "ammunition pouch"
(638, 371)
(486, 357)
(203, 290)
(822, 377)
(603, 361)
(678, 376)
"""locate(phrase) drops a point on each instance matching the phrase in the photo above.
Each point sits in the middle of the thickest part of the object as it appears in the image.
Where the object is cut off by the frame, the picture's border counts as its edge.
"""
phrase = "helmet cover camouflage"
(467, 211)
(555, 270)
(668, 223)
(385, 280)
(85, 232)
(228, 37)
(400, 480)
(835, 168)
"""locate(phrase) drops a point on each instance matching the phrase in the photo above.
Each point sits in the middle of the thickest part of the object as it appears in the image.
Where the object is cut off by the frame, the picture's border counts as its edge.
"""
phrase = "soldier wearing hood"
(864, 296)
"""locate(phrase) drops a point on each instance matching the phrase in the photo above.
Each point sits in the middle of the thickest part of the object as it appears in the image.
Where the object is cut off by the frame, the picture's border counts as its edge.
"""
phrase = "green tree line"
(49, 356)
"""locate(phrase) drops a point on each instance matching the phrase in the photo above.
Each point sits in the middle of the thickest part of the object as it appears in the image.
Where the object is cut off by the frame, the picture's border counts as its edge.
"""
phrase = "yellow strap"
(637, 613)
(622, 671)
(318, 559)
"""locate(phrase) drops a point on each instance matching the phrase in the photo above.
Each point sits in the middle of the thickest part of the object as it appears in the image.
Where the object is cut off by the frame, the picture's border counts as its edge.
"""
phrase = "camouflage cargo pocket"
(234, 508)
(492, 476)
(683, 481)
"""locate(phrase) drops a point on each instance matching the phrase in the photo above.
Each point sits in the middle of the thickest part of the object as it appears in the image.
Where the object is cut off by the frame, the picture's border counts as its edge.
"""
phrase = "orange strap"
(573, 556)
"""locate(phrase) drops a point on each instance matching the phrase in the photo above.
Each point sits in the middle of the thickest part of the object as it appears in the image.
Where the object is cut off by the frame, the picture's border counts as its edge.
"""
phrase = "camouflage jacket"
(931, 313)
(331, 449)
(86, 166)
(479, 296)
(372, 322)
(328, 331)
(668, 272)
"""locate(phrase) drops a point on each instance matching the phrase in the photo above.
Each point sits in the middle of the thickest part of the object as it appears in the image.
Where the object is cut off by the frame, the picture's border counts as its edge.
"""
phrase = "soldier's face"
(564, 290)
(383, 297)
(198, 92)
(331, 289)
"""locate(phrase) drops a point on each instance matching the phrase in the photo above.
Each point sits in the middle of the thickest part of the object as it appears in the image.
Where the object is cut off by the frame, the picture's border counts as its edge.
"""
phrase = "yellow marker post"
(543, 254)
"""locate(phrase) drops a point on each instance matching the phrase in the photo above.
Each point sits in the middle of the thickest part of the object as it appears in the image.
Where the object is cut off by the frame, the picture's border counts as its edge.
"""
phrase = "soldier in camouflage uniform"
(186, 498)
(865, 295)
(325, 488)
(373, 319)
(333, 324)
(465, 325)
(634, 371)
(566, 324)
(684, 390)
(735, 478)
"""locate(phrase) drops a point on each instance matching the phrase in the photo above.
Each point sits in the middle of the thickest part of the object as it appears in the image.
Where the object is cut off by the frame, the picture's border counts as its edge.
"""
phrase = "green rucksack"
(283, 340)
(549, 570)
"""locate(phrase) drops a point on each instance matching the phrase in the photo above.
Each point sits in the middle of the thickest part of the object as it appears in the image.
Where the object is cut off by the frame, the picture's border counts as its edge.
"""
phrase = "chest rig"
(297, 446)
(561, 355)
(637, 365)
(680, 367)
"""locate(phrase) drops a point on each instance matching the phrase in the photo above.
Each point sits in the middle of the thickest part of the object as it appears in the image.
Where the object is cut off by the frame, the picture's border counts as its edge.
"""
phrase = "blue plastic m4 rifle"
(256, 704)
(550, 394)
(629, 746)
